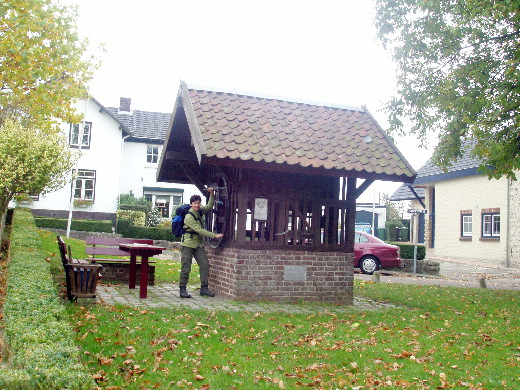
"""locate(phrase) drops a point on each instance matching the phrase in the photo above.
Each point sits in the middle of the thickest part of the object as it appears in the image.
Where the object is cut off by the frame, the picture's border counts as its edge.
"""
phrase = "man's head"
(195, 201)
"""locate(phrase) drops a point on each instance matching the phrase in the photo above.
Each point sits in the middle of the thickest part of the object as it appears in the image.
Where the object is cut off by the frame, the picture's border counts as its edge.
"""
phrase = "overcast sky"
(324, 51)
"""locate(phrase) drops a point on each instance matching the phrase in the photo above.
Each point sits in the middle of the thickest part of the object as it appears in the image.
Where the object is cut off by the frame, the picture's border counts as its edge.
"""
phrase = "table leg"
(132, 274)
(143, 283)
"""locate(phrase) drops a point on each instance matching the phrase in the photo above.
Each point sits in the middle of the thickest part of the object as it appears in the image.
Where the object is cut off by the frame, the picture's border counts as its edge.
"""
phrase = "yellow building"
(468, 217)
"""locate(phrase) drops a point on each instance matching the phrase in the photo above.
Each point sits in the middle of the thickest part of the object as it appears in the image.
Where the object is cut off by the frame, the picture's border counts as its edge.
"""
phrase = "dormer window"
(74, 135)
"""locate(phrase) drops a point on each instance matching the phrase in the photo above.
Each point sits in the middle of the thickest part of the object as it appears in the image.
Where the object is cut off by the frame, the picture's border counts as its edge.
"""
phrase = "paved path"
(167, 295)
(458, 273)
(452, 273)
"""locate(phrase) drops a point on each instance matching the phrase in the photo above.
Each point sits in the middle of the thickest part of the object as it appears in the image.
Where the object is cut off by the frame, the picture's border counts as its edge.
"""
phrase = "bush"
(151, 233)
(41, 342)
(407, 250)
(130, 199)
(153, 218)
(135, 207)
(76, 224)
(135, 217)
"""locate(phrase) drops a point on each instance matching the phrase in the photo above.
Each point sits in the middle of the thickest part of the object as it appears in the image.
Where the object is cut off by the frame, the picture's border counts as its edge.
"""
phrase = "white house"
(119, 153)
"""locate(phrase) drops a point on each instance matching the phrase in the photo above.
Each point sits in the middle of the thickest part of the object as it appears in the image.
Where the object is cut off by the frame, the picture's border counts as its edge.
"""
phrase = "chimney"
(124, 105)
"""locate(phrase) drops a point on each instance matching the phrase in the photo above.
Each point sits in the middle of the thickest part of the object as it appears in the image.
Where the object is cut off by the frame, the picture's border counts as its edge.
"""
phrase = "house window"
(491, 223)
(74, 135)
(163, 204)
(176, 200)
(85, 184)
(152, 154)
(466, 224)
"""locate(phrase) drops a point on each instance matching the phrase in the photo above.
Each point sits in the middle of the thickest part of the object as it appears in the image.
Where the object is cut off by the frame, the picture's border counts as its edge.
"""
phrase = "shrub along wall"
(407, 250)
(42, 354)
(126, 229)
(76, 224)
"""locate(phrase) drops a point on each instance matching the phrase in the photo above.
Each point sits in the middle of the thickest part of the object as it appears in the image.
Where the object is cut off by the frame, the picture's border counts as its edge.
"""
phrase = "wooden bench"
(115, 269)
(81, 277)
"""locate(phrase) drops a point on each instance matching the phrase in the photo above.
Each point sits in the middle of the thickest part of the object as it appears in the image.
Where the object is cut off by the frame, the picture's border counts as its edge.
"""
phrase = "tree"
(31, 162)
(42, 60)
(458, 65)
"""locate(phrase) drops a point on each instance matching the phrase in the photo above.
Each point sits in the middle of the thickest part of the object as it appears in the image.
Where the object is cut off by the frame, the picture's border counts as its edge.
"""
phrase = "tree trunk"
(2, 225)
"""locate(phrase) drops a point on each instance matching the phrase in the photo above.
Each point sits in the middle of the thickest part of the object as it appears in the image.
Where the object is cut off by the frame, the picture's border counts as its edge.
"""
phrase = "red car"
(371, 254)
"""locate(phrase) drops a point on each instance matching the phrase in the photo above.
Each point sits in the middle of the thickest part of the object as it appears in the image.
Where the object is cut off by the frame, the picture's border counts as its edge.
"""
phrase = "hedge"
(76, 224)
(126, 229)
(407, 250)
(42, 353)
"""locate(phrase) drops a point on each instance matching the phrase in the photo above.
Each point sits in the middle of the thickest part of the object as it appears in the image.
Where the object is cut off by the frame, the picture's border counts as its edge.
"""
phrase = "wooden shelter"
(288, 174)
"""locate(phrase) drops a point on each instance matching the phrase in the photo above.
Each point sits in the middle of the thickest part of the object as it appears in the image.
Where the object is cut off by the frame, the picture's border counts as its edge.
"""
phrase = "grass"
(437, 338)
(166, 270)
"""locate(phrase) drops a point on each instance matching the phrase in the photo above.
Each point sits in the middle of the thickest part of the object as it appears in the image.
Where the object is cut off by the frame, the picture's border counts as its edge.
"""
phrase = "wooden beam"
(193, 177)
(350, 217)
(181, 157)
(363, 187)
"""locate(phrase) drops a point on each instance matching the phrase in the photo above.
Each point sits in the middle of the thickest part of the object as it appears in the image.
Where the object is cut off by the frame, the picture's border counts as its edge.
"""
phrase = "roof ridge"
(268, 96)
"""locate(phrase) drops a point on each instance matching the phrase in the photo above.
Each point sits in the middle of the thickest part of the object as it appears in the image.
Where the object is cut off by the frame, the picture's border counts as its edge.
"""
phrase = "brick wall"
(276, 275)
(118, 272)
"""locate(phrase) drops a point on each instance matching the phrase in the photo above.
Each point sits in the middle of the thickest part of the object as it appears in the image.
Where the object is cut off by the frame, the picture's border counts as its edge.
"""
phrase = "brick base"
(118, 272)
(276, 275)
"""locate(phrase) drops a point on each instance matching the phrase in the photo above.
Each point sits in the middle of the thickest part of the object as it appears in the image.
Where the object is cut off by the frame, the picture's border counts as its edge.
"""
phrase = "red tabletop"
(144, 251)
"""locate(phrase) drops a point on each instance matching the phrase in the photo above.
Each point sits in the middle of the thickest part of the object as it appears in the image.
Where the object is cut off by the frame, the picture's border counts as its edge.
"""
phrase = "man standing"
(192, 245)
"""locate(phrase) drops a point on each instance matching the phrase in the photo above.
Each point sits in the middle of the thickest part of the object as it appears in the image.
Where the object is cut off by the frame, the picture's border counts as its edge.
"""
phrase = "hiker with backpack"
(192, 244)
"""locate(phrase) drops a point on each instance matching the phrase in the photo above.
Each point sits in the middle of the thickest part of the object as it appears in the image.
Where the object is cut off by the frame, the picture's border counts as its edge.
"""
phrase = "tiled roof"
(404, 193)
(143, 124)
(262, 130)
(465, 165)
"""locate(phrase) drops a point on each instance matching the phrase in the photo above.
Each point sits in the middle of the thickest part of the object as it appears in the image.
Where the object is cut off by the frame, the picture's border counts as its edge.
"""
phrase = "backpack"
(178, 221)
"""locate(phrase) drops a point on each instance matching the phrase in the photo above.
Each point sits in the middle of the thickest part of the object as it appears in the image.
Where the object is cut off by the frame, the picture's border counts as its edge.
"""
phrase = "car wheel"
(369, 264)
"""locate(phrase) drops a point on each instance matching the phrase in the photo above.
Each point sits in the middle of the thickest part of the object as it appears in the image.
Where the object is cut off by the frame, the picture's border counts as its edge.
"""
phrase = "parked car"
(371, 254)
(364, 227)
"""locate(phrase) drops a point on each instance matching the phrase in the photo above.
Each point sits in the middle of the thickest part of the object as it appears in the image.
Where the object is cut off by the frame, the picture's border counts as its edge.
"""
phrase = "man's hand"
(210, 190)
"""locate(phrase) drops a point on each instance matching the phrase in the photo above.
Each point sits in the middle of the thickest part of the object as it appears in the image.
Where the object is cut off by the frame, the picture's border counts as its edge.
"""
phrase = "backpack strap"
(196, 219)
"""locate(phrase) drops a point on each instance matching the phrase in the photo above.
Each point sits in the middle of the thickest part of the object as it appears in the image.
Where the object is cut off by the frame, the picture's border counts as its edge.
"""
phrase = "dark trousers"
(187, 254)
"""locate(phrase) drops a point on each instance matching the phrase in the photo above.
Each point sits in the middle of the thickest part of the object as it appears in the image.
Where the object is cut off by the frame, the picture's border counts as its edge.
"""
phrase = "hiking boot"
(205, 292)
(184, 293)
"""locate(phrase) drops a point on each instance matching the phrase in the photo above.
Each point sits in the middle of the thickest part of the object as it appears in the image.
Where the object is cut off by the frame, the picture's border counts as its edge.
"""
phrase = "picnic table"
(144, 251)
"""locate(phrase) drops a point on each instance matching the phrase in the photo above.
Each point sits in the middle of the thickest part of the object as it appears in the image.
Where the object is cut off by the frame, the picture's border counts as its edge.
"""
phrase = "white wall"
(138, 173)
(103, 156)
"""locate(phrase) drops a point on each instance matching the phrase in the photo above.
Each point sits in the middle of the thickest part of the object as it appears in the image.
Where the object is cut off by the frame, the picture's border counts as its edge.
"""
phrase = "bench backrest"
(106, 246)
(63, 251)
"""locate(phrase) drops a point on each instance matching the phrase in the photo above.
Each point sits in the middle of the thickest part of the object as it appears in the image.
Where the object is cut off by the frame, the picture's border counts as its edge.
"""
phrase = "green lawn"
(437, 338)
(166, 270)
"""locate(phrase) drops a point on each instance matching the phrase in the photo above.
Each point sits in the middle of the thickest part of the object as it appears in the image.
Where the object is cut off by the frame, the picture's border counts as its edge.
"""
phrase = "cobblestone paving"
(168, 296)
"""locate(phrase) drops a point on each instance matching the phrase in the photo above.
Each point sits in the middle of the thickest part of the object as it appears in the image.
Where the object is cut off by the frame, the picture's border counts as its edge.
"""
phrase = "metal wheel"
(219, 218)
(369, 264)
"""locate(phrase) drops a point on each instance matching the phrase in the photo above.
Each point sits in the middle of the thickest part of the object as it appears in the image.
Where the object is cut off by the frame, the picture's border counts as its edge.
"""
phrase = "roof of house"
(143, 124)
(240, 129)
(405, 193)
(137, 124)
(466, 165)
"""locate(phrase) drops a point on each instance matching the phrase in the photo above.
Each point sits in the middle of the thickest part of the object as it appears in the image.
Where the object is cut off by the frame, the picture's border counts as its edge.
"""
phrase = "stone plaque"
(295, 273)
(260, 209)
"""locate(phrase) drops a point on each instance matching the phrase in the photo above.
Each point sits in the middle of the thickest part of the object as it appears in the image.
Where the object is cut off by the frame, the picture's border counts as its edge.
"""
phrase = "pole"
(415, 259)
(374, 210)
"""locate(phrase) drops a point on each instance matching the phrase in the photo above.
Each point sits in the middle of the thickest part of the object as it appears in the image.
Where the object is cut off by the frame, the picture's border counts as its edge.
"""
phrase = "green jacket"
(194, 237)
